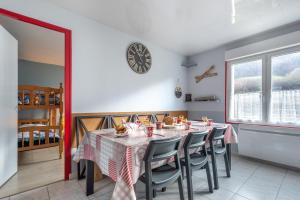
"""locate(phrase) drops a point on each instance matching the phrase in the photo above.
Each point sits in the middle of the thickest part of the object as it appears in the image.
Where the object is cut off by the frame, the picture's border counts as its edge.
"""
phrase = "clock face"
(139, 58)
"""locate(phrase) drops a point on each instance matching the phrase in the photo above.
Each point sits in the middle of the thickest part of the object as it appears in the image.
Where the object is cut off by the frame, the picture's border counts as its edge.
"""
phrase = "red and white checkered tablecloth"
(122, 158)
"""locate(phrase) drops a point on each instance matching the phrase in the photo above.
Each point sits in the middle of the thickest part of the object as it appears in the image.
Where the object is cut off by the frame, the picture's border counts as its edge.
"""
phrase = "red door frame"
(68, 78)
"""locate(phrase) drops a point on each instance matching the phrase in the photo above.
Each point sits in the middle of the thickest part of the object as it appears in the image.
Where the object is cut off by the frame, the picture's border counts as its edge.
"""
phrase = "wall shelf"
(204, 101)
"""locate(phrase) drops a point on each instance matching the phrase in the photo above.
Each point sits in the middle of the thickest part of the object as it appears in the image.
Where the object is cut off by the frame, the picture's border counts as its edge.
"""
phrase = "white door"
(8, 105)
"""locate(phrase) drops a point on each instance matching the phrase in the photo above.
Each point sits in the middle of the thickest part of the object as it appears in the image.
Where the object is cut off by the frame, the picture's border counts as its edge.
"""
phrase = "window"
(247, 91)
(285, 95)
(265, 88)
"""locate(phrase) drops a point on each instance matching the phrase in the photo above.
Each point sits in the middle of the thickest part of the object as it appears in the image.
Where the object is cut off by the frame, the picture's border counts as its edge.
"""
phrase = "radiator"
(278, 145)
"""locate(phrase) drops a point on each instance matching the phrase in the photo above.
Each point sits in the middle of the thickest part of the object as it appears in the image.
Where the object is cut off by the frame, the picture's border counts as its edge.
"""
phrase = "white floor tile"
(233, 183)
(270, 173)
(238, 197)
(220, 194)
(66, 190)
(290, 188)
(259, 189)
(36, 194)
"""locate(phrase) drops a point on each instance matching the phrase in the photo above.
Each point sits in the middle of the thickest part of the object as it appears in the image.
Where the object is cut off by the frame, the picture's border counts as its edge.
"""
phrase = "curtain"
(248, 106)
(285, 106)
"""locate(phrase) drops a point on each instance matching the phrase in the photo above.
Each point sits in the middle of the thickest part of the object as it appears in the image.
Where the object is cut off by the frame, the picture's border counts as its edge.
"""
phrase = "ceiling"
(187, 26)
(36, 43)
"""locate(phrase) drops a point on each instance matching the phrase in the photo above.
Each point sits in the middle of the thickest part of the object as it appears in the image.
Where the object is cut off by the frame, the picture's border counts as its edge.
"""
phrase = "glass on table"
(149, 131)
(158, 125)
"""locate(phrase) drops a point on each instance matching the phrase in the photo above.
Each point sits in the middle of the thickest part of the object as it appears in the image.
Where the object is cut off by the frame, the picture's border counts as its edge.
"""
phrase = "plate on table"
(216, 125)
(198, 123)
(168, 126)
(121, 134)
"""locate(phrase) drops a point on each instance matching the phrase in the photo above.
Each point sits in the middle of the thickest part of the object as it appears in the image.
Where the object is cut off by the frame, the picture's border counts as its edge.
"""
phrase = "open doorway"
(43, 123)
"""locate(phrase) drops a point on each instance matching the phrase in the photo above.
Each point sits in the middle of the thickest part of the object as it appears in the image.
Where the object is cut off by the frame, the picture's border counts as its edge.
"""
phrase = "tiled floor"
(250, 180)
(43, 171)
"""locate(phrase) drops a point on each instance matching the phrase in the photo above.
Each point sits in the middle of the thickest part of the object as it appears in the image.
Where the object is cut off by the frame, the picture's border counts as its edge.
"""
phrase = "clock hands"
(139, 58)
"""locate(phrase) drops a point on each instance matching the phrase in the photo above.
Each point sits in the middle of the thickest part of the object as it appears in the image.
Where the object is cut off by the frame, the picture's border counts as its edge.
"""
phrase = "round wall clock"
(139, 58)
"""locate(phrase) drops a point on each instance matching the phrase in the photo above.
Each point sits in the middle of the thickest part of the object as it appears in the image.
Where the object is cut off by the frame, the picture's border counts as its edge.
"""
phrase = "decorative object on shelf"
(36, 99)
(139, 58)
(206, 74)
(188, 97)
(207, 98)
(19, 100)
(26, 100)
(178, 92)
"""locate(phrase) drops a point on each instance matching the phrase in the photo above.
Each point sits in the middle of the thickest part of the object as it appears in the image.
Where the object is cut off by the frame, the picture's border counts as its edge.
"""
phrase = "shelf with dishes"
(211, 98)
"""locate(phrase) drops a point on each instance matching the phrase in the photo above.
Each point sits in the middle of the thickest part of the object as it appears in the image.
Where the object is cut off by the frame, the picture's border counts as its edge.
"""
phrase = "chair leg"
(227, 165)
(149, 192)
(182, 172)
(89, 177)
(154, 193)
(189, 182)
(210, 186)
(228, 149)
(214, 167)
(180, 185)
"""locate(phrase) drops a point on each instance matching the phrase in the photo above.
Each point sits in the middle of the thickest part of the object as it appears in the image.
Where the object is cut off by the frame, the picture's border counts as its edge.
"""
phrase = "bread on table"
(120, 129)
(168, 120)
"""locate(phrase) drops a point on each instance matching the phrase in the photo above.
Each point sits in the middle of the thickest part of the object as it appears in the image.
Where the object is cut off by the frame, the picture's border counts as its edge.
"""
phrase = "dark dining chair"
(217, 147)
(159, 150)
(195, 142)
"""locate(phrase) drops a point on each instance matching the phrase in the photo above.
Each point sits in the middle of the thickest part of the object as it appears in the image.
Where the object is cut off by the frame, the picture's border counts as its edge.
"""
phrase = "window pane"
(285, 94)
(246, 102)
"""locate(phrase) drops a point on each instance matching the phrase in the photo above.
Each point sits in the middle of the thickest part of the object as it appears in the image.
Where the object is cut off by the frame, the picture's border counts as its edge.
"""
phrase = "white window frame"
(266, 85)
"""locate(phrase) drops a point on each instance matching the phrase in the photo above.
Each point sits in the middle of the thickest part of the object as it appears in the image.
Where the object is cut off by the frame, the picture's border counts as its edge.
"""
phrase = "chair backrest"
(217, 134)
(162, 149)
(195, 140)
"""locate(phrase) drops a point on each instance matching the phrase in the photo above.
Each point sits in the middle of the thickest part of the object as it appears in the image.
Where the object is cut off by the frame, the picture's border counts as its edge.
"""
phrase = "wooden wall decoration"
(206, 74)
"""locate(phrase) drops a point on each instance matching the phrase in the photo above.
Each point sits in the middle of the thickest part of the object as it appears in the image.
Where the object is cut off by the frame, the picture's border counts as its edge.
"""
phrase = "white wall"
(208, 86)
(276, 43)
(102, 80)
(42, 74)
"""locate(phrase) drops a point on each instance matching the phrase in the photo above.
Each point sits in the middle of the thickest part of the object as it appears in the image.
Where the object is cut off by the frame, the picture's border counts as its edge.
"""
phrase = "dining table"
(121, 158)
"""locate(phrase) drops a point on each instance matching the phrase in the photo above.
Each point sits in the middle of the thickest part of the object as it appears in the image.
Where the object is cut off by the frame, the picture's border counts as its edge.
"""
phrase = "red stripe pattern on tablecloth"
(124, 164)
(112, 169)
(126, 172)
